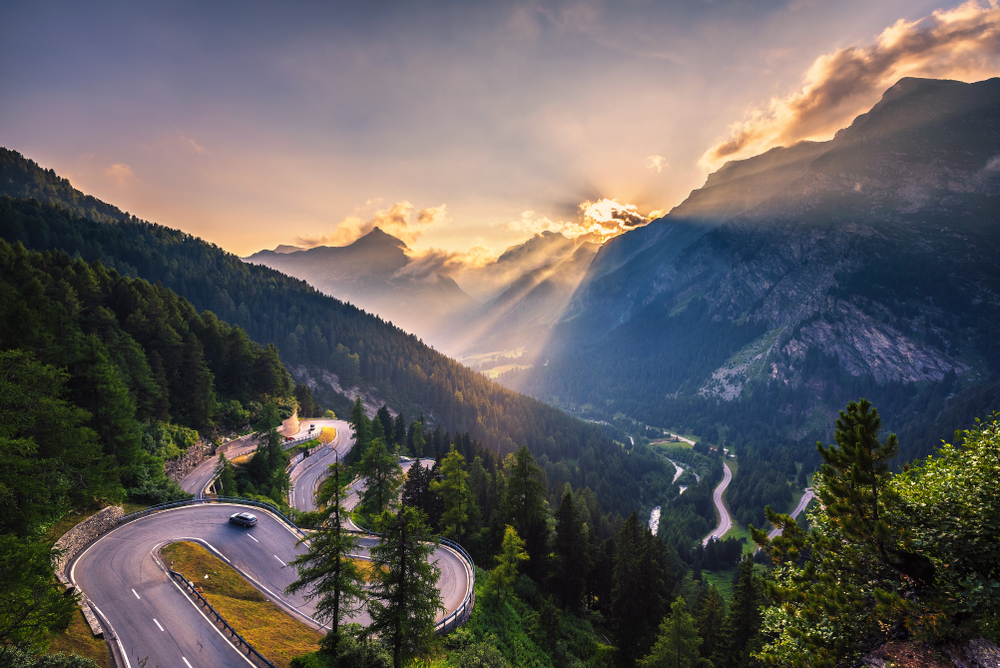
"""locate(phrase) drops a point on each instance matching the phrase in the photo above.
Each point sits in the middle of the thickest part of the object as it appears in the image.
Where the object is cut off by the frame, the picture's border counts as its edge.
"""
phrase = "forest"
(316, 333)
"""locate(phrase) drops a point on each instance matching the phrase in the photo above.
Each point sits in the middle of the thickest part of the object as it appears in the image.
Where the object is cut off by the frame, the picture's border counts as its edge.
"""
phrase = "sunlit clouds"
(962, 43)
(656, 163)
(396, 221)
(598, 221)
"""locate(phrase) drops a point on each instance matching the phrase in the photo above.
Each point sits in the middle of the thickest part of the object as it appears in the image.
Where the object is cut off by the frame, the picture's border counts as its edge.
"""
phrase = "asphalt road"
(310, 472)
(803, 502)
(725, 522)
(158, 625)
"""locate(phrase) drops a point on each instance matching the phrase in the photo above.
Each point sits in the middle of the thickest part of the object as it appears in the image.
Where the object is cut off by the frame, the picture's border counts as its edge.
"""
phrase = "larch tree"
(327, 572)
(384, 476)
(403, 599)
(455, 494)
(503, 577)
(677, 642)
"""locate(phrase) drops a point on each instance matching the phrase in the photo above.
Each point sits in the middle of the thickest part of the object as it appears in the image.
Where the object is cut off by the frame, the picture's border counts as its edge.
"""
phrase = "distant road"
(803, 502)
(310, 472)
(725, 523)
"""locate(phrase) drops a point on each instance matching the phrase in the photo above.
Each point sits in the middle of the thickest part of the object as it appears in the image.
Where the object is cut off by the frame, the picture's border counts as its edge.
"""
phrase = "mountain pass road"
(725, 522)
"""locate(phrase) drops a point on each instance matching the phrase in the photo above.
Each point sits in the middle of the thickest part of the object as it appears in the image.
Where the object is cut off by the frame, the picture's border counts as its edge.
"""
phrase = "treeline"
(138, 359)
(319, 333)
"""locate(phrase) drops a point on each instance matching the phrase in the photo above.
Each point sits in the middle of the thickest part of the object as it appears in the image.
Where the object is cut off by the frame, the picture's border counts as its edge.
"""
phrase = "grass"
(272, 631)
(79, 639)
(722, 581)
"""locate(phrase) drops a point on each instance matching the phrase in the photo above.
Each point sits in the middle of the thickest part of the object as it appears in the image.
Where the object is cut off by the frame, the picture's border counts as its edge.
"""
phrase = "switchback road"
(725, 522)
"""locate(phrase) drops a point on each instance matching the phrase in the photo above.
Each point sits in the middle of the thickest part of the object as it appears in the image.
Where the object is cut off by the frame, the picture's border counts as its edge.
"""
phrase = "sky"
(464, 127)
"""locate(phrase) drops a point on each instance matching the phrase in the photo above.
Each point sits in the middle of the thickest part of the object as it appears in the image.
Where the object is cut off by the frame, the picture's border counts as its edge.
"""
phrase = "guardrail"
(145, 512)
(225, 627)
(464, 610)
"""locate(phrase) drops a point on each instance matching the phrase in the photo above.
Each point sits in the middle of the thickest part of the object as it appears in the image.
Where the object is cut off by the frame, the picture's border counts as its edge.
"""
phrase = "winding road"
(156, 624)
(725, 522)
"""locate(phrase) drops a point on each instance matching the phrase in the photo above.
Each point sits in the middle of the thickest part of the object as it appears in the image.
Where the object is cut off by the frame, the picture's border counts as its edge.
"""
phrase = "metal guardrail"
(462, 612)
(219, 619)
(145, 512)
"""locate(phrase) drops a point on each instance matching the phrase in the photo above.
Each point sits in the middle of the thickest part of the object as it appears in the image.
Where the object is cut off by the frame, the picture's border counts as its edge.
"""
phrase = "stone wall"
(176, 469)
(83, 533)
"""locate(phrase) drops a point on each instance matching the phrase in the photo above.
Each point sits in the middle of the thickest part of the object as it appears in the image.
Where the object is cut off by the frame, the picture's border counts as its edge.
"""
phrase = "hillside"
(798, 279)
(336, 348)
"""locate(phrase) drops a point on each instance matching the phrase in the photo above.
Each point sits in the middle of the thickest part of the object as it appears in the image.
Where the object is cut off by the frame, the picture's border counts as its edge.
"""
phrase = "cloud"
(121, 173)
(961, 43)
(396, 220)
(657, 162)
(190, 143)
(598, 222)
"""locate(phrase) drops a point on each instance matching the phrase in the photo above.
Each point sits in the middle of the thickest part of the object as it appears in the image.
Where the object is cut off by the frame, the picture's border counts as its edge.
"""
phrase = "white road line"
(279, 559)
(252, 538)
(158, 623)
(136, 595)
(187, 662)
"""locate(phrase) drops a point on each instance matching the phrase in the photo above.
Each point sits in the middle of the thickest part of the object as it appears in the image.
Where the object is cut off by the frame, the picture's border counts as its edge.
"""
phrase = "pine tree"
(524, 507)
(362, 430)
(227, 477)
(571, 563)
(743, 623)
(459, 505)
(641, 582)
(326, 568)
(384, 476)
(677, 643)
(710, 621)
(403, 598)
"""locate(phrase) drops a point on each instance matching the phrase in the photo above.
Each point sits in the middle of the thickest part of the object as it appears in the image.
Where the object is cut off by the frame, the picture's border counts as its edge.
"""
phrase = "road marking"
(252, 538)
(158, 623)
(136, 595)
(187, 662)
(279, 559)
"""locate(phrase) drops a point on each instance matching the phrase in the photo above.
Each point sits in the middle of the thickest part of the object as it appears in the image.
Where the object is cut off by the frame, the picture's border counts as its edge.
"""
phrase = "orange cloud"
(599, 221)
(121, 173)
(961, 43)
(395, 221)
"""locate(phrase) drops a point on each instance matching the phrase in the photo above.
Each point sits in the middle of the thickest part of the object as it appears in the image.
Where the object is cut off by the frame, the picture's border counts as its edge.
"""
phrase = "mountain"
(337, 349)
(803, 277)
(370, 273)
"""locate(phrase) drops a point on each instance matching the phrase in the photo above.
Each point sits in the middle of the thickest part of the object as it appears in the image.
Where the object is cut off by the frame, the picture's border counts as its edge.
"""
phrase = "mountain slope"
(370, 273)
(333, 346)
(866, 264)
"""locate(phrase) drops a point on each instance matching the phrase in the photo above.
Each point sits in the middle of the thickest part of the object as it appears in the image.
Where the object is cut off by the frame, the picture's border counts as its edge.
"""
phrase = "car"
(244, 519)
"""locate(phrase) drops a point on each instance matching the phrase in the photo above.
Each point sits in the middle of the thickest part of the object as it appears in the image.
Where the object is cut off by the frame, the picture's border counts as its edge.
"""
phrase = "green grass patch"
(722, 581)
(272, 631)
(79, 639)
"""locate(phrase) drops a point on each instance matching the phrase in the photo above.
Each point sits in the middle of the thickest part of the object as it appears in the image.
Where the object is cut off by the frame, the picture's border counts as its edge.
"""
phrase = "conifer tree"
(362, 430)
(677, 642)
(227, 477)
(743, 623)
(503, 577)
(710, 621)
(570, 549)
(524, 507)
(384, 476)
(326, 569)
(403, 598)
(458, 503)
